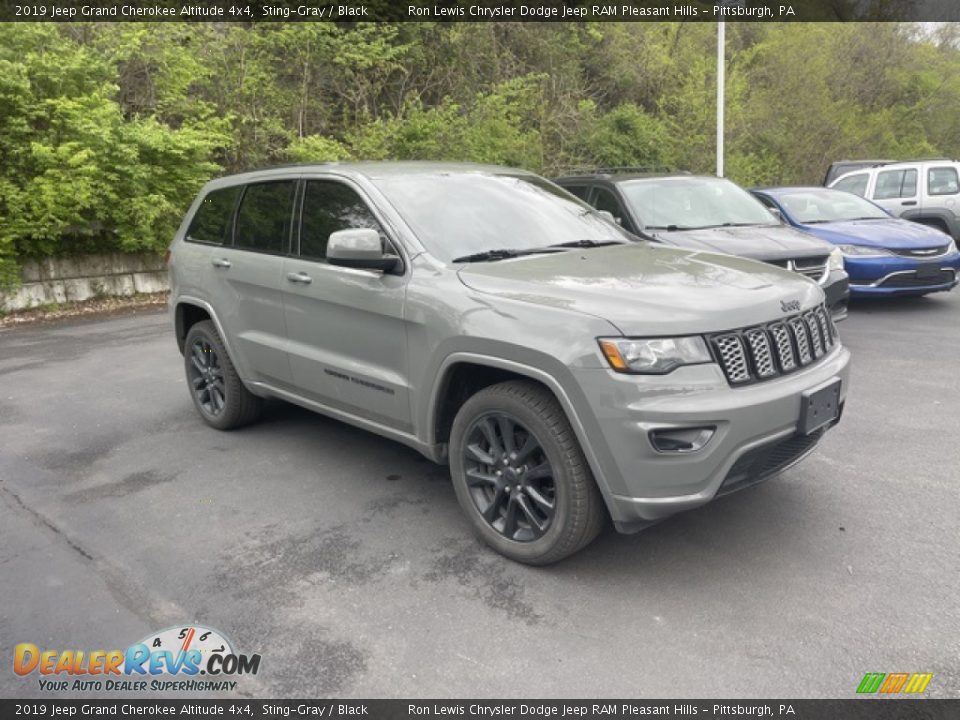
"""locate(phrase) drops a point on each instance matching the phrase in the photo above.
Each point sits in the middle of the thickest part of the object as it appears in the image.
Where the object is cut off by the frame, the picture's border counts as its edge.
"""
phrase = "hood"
(647, 289)
(759, 242)
(889, 233)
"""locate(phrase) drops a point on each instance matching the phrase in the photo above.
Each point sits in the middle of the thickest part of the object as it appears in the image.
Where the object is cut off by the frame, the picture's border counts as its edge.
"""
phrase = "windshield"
(459, 214)
(819, 206)
(688, 203)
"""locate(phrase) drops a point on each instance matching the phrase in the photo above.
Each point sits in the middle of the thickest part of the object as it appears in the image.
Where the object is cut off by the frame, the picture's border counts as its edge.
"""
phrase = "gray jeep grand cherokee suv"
(492, 321)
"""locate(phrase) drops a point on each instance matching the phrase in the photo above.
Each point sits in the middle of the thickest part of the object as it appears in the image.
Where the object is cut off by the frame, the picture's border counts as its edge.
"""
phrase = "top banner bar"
(482, 11)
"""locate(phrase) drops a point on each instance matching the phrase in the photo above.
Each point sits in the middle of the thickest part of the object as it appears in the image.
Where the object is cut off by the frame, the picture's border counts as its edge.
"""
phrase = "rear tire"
(217, 391)
(521, 476)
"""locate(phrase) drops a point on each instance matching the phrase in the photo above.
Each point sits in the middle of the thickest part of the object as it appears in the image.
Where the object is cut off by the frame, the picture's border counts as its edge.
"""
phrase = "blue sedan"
(883, 255)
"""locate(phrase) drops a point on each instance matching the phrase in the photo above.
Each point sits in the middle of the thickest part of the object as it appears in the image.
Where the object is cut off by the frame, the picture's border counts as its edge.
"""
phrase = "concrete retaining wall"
(69, 279)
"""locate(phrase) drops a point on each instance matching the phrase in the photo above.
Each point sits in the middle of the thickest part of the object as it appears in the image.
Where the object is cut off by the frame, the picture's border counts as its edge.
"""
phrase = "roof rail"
(617, 169)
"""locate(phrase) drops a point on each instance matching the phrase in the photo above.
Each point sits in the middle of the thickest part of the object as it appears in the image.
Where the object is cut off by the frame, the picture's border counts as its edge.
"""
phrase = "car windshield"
(687, 203)
(456, 214)
(820, 206)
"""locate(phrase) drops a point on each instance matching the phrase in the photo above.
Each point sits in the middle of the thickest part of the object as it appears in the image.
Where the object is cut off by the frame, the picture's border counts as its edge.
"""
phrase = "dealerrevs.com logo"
(169, 660)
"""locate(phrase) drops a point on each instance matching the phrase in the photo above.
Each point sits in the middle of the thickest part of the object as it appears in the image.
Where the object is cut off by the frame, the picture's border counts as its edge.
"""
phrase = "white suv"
(926, 191)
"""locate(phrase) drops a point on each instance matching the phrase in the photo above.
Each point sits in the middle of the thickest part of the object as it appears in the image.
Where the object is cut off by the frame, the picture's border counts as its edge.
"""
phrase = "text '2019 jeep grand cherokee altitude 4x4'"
(492, 321)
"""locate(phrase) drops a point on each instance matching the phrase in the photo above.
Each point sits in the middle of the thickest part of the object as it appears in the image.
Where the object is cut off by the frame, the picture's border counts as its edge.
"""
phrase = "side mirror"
(775, 211)
(607, 215)
(359, 248)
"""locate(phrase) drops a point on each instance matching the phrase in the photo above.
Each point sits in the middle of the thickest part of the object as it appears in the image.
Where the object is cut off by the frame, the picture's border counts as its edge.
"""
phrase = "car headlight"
(836, 259)
(862, 251)
(654, 356)
(952, 247)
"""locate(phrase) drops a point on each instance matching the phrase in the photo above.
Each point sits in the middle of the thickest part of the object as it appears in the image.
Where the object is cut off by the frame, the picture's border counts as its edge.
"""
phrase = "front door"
(347, 339)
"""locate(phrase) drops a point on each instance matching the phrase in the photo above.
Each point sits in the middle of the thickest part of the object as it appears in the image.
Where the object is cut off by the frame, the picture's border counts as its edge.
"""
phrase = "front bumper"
(642, 485)
(886, 276)
(837, 289)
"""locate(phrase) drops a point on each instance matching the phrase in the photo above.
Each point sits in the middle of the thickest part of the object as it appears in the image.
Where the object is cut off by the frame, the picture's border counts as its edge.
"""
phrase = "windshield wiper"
(587, 243)
(500, 254)
(669, 228)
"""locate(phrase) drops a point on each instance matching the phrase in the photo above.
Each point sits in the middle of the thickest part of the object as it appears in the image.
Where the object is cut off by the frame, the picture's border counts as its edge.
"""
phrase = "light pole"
(721, 80)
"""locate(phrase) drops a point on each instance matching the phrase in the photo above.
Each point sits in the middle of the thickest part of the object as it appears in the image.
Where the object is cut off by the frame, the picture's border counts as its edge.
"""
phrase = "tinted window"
(895, 184)
(693, 202)
(857, 184)
(212, 219)
(942, 181)
(606, 200)
(579, 190)
(459, 213)
(327, 207)
(263, 221)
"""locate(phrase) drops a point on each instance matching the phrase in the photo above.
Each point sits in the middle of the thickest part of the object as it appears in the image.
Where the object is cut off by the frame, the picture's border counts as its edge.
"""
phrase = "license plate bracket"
(819, 407)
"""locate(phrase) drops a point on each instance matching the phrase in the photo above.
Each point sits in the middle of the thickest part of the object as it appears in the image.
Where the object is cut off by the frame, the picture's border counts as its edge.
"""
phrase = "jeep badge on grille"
(790, 305)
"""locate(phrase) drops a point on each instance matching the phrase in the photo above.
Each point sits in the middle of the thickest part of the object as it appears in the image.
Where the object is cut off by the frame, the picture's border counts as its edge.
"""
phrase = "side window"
(579, 190)
(263, 221)
(212, 219)
(888, 184)
(605, 200)
(329, 206)
(942, 181)
(856, 184)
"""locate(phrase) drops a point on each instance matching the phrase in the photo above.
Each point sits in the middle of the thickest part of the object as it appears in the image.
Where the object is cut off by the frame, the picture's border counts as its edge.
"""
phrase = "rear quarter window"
(942, 181)
(211, 222)
(856, 184)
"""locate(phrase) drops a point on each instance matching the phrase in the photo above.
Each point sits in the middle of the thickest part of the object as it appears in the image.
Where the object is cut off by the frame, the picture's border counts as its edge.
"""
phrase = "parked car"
(716, 215)
(490, 320)
(924, 191)
(882, 254)
(842, 167)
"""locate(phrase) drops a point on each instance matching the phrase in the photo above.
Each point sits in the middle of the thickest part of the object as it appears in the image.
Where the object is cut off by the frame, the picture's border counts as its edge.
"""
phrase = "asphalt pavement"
(343, 559)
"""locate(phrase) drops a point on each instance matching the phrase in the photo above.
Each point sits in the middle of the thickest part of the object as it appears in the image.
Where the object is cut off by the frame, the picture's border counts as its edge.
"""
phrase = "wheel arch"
(447, 398)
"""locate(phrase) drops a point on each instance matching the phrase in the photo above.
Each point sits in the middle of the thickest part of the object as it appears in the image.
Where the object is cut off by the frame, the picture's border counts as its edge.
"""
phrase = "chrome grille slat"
(733, 358)
(778, 348)
(825, 328)
(781, 336)
(760, 352)
(798, 329)
(813, 327)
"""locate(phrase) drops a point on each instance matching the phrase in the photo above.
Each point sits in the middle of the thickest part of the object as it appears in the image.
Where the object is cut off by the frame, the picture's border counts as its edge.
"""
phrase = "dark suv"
(715, 215)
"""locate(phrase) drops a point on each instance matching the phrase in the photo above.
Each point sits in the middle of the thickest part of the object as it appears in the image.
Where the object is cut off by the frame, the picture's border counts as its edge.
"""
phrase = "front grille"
(767, 351)
(766, 461)
(814, 268)
(930, 252)
(910, 279)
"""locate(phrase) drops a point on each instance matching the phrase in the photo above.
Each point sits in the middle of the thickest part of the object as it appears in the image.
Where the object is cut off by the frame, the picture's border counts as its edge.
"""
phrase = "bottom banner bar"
(850, 709)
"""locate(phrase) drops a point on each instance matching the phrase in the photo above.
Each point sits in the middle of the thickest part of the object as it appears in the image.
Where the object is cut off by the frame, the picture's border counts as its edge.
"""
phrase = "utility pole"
(721, 81)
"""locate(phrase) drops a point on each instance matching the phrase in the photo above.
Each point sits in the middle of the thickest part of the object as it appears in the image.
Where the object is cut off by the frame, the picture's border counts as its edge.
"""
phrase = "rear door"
(245, 281)
(346, 331)
(896, 189)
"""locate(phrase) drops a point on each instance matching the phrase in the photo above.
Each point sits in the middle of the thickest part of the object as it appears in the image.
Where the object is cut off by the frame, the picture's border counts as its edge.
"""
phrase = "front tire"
(520, 474)
(217, 391)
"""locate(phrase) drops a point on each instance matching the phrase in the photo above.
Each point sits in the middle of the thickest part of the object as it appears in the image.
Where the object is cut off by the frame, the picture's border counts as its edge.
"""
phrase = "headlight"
(863, 251)
(654, 356)
(836, 259)
(952, 247)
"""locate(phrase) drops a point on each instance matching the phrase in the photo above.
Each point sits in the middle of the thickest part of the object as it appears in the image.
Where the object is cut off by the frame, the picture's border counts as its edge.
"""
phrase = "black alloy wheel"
(510, 479)
(206, 377)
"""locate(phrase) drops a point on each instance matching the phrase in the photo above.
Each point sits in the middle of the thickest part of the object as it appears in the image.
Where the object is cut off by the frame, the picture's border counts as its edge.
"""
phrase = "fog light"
(681, 440)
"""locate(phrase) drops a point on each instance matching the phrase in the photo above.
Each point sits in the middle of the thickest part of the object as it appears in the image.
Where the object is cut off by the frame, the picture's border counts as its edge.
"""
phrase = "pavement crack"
(43, 520)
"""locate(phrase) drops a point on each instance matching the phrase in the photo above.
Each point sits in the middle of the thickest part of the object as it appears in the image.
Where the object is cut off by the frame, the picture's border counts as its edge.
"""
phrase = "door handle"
(909, 202)
(299, 277)
(221, 263)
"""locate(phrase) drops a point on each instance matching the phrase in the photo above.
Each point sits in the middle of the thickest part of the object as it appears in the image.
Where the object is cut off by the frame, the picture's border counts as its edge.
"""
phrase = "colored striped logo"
(894, 683)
